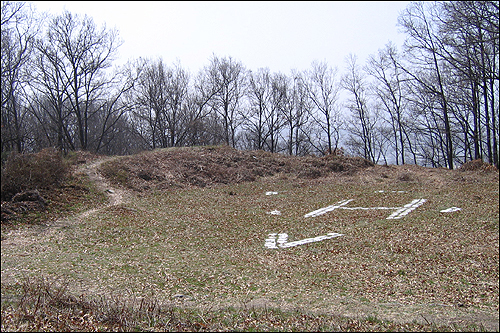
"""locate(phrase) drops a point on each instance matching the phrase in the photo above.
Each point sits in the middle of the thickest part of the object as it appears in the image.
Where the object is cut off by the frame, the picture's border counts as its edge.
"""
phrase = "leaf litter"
(200, 235)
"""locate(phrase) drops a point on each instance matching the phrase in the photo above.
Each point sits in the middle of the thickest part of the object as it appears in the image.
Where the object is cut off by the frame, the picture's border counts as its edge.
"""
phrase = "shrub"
(23, 172)
(477, 165)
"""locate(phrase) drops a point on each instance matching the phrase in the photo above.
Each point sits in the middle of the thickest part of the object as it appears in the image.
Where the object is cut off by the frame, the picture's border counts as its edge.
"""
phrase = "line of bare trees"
(433, 103)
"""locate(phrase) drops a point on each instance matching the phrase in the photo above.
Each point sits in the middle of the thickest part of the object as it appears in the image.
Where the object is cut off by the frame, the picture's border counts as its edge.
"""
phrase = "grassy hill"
(175, 239)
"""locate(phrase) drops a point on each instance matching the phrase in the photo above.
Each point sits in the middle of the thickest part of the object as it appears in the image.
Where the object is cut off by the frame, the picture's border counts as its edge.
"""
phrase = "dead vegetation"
(203, 166)
(43, 186)
(22, 202)
(23, 172)
(478, 165)
(432, 259)
(46, 306)
(173, 168)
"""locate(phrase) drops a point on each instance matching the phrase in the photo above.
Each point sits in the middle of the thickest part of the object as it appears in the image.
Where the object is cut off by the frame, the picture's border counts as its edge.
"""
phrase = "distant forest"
(433, 103)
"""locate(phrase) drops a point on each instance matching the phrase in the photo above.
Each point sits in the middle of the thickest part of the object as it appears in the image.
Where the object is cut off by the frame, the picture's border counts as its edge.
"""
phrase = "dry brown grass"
(192, 243)
(478, 165)
(32, 171)
(46, 306)
(203, 166)
(62, 189)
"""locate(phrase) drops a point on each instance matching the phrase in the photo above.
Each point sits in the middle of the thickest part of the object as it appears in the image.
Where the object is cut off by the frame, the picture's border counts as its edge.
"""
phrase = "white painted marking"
(403, 211)
(271, 242)
(451, 209)
(366, 208)
(399, 211)
(310, 240)
(324, 210)
(282, 241)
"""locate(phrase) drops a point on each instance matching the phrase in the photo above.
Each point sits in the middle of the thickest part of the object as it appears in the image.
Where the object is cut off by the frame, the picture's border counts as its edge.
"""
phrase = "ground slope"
(428, 266)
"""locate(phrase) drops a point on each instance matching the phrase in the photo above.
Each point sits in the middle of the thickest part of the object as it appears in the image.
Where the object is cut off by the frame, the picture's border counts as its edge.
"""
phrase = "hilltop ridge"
(203, 166)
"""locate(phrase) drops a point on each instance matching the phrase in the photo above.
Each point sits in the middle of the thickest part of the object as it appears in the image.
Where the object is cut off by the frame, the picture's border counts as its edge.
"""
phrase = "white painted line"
(399, 211)
(366, 208)
(271, 193)
(282, 241)
(450, 210)
(275, 212)
(324, 210)
(406, 209)
(271, 241)
(310, 240)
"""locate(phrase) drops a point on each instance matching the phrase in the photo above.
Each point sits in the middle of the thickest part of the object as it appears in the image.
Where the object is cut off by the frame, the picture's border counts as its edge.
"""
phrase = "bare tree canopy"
(434, 102)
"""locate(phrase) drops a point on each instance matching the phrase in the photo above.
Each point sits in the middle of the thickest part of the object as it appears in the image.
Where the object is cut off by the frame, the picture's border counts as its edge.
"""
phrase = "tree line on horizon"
(433, 103)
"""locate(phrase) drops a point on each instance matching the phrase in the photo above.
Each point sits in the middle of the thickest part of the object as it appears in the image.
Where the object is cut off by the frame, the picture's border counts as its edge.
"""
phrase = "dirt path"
(116, 196)
(35, 234)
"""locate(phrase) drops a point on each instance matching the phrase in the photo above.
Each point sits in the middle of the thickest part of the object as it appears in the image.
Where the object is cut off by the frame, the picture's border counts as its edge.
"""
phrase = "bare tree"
(452, 56)
(111, 122)
(299, 142)
(151, 101)
(85, 52)
(390, 91)
(202, 125)
(177, 95)
(227, 78)
(286, 118)
(72, 86)
(279, 104)
(256, 119)
(49, 99)
(361, 136)
(469, 30)
(19, 27)
(424, 44)
(324, 93)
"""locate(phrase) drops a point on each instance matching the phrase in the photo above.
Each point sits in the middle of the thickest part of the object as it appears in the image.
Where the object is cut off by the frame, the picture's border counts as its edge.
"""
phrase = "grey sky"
(278, 35)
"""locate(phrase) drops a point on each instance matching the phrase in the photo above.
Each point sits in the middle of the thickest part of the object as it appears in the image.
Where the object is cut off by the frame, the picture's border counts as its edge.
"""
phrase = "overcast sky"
(278, 35)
